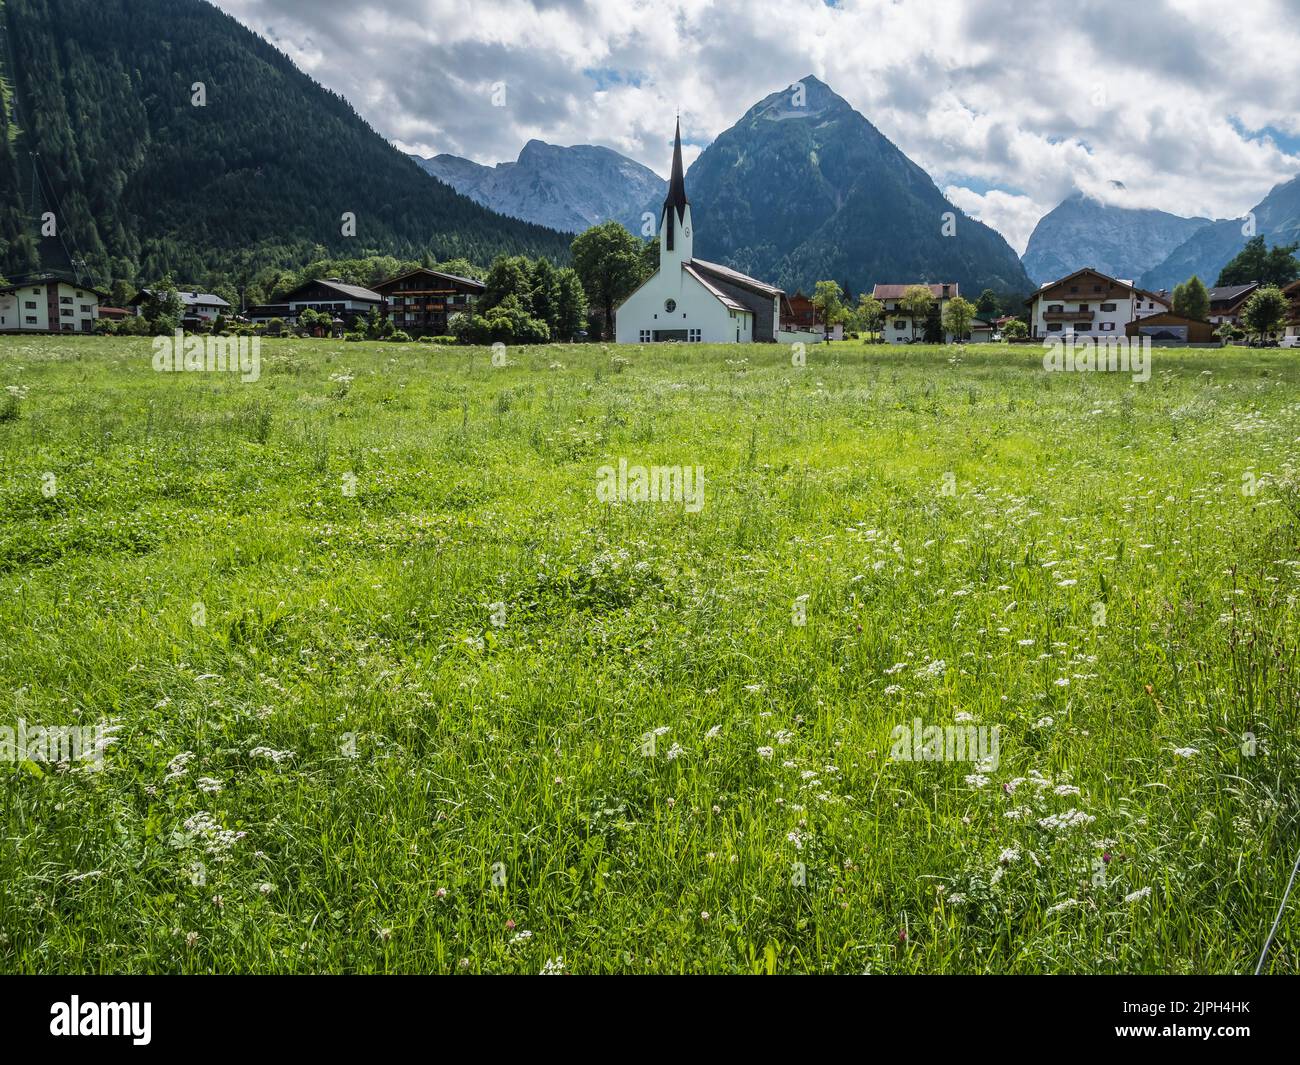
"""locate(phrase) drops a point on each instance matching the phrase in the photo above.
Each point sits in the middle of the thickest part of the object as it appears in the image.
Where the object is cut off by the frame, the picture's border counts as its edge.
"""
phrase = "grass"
(329, 757)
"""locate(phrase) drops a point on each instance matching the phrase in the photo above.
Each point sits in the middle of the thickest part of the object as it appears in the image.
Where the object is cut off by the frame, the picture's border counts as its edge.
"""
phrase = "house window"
(1108, 306)
(693, 336)
(1106, 327)
(1083, 306)
(1083, 327)
(85, 325)
(66, 312)
(30, 305)
(645, 336)
(1055, 308)
(1053, 327)
(31, 320)
(65, 299)
(900, 325)
(1096, 288)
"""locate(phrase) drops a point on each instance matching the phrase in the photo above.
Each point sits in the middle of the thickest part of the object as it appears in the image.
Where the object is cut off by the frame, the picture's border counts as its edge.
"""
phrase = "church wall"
(697, 308)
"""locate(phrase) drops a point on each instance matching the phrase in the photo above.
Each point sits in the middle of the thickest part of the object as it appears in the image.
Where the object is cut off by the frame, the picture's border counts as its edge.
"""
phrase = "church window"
(645, 336)
(694, 336)
(670, 306)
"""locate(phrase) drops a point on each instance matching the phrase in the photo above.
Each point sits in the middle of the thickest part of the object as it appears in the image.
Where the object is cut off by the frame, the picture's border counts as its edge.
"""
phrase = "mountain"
(263, 173)
(795, 194)
(1209, 249)
(1119, 241)
(569, 189)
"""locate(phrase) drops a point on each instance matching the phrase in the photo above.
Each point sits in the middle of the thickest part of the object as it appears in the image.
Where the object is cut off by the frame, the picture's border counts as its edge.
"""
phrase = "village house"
(1228, 302)
(421, 302)
(1090, 302)
(345, 303)
(798, 314)
(49, 304)
(195, 306)
(1292, 293)
(688, 299)
(898, 326)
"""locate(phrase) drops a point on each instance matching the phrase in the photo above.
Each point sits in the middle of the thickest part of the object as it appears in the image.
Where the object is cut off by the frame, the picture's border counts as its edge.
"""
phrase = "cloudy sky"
(1193, 106)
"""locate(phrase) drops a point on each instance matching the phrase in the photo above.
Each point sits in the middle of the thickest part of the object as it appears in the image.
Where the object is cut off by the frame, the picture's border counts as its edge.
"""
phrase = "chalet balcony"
(1068, 316)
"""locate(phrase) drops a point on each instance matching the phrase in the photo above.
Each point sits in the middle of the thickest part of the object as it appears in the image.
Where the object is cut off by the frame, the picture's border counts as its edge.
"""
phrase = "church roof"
(676, 202)
(677, 181)
(722, 297)
(735, 277)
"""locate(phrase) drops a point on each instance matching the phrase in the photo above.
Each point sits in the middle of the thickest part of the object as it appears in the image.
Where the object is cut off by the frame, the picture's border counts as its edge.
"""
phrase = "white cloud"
(1011, 215)
(1027, 99)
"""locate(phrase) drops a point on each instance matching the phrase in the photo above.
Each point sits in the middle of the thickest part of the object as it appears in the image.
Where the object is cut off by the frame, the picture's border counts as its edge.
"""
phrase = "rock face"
(569, 189)
(803, 188)
(1118, 241)
(1209, 249)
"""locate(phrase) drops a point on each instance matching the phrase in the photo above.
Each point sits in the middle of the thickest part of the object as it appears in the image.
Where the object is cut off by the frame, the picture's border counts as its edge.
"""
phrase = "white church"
(688, 299)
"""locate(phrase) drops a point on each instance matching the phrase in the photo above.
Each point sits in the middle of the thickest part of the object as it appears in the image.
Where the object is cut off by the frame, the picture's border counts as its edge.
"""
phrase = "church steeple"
(677, 206)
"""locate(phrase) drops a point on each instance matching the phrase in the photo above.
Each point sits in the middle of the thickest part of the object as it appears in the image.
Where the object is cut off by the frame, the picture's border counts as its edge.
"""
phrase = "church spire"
(676, 203)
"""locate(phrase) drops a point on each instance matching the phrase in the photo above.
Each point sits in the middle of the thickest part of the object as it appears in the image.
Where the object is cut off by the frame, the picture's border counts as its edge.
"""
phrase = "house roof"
(690, 268)
(432, 273)
(1169, 318)
(1232, 293)
(45, 279)
(354, 292)
(735, 277)
(188, 296)
(1091, 270)
(1157, 297)
(896, 292)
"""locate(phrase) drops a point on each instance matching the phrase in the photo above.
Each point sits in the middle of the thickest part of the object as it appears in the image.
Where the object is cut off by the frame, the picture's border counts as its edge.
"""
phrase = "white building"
(688, 299)
(898, 326)
(1089, 302)
(48, 304)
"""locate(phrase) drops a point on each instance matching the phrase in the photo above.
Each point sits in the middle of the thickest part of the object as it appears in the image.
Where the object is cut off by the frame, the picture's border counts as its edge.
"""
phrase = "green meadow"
(385, 686)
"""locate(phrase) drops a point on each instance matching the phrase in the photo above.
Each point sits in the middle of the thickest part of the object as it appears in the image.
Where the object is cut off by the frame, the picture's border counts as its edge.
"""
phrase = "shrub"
(11, 400)
(400, 336)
